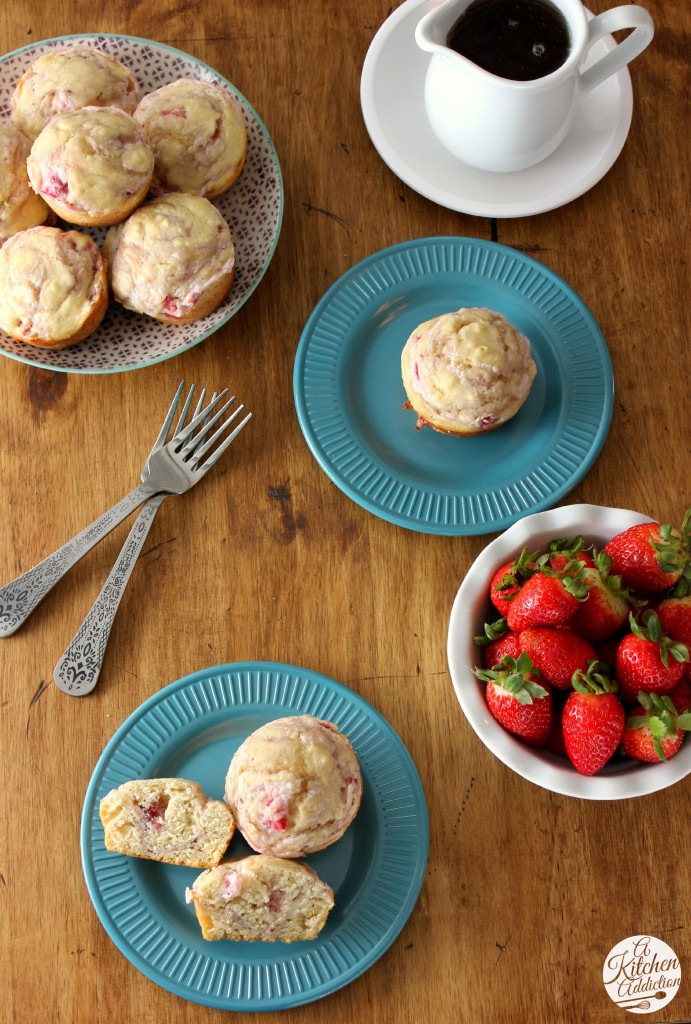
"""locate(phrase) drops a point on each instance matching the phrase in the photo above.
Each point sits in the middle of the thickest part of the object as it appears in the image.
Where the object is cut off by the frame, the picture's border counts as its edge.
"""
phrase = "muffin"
(54, 290)
(294, 786)
(167, 820)
(173, 259)
(92, 166)
(69, 79)
(261, 898)
(20, 207)
(198, 137)
(466, 373)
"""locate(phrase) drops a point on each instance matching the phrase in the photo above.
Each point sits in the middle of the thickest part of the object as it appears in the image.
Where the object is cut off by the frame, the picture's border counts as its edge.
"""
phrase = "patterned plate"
(349, 395)
(191, 729)
(253, 208)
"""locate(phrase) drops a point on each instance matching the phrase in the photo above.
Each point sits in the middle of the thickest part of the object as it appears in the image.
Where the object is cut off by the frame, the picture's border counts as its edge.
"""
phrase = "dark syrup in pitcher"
(516, 39)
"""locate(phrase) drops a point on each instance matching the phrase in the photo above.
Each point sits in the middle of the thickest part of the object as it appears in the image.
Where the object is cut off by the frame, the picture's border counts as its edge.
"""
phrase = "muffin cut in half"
(261, 899)
(168, 820)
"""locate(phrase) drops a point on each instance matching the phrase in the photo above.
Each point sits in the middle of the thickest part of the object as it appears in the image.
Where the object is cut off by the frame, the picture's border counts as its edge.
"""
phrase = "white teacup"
(498, 124)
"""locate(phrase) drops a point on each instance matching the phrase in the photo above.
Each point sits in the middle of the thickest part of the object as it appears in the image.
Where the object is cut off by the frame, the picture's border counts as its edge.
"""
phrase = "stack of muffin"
(83, 150)
(293, 788)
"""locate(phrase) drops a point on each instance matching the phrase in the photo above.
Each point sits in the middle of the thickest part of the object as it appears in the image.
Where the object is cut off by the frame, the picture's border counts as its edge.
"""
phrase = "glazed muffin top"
(294, 786)
(68, 79)
(467, 372)
(198, 136)
(20, 207)
(91, 161)
(52, 280)
(168, 253)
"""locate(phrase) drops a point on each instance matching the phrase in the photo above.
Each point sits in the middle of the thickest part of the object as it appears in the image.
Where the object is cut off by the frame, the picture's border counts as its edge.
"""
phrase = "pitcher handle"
(630, 16)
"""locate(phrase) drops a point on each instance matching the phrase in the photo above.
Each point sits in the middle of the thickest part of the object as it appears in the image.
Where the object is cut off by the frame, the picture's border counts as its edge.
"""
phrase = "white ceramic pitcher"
(498, 124)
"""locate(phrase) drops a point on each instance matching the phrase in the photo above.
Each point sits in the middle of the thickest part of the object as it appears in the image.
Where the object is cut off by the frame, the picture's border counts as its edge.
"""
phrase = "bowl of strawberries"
(568, 649)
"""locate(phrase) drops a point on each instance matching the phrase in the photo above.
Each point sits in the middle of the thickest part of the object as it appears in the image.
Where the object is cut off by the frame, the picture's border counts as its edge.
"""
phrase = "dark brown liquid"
(516, 39)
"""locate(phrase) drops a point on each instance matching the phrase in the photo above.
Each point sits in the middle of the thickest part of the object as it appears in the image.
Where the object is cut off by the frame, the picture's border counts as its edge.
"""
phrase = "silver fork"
(78, 669)
(172, 469)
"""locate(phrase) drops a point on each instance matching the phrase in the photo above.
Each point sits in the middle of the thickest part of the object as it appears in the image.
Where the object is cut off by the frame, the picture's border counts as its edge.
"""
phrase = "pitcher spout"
(432, 31)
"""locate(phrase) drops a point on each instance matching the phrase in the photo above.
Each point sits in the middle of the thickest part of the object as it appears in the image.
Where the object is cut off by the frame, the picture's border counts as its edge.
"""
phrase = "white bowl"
(622, 778)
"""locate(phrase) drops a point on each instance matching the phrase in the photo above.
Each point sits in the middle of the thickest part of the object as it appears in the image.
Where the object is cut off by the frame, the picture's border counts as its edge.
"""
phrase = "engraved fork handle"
(78, 669)
(19, 598)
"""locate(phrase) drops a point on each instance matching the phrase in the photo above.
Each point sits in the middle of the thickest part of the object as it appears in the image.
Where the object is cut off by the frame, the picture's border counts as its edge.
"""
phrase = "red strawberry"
(607, 651)
(548, 598)
(555, 740)
(497, 642)
(648, 660)
(674, 614)
(651, 556)
(606, 607)
(680, 695)
(517, 701)
(510, 577)
(561, 552)
(654, 731)
(592, 721)
(557, 654)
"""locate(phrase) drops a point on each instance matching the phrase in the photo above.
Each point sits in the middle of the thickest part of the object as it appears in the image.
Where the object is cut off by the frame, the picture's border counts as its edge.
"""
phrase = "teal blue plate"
(349, 395)
(191, 729)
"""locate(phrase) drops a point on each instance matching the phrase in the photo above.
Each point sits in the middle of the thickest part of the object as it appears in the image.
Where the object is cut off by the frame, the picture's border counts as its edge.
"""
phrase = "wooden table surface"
(526, 891)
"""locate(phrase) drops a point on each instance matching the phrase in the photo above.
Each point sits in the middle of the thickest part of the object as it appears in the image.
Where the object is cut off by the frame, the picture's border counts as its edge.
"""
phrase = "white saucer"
(391, 95)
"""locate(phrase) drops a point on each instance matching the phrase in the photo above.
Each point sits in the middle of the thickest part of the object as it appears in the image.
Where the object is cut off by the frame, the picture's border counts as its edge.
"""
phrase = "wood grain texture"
(526, 891)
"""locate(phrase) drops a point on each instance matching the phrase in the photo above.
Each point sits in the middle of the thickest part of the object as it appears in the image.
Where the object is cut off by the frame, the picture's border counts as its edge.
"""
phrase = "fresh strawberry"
(674, 614)
(651, 556)
(557, 653)
(548, 598)
(517, 700)
(680, 695)
(510, 577)
(496, 642)
(654, 730)
(555, 740)
(592, 721)
(606, 607)
(607, 651)
(648, 660)
(561, 552)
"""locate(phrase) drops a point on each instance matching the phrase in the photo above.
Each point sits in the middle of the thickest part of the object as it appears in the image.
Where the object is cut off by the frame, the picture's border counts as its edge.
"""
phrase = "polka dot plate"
(253, 208)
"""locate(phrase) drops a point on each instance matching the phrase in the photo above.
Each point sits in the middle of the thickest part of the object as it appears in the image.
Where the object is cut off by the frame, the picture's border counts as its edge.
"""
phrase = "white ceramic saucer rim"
(563, 193)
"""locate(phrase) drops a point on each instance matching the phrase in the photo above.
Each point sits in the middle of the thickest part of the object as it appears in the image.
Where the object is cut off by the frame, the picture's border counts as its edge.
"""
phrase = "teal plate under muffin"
(349, 395)
(191, 729)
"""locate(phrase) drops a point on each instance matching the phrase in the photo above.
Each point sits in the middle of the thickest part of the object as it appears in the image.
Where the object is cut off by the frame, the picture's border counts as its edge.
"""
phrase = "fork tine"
(193, 443)
(163, 432)
(199, 453)
(222, 447)
(199, 418)
(186, 408)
